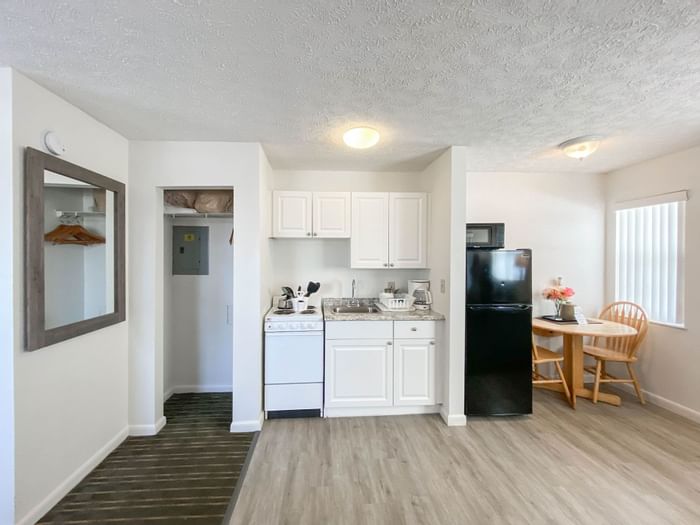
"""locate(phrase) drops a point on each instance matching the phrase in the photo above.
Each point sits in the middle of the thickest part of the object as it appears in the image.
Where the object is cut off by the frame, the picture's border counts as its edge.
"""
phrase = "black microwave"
(488, 235)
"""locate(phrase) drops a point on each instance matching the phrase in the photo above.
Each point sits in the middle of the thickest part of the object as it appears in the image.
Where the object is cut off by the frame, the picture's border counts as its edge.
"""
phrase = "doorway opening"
(197, 291)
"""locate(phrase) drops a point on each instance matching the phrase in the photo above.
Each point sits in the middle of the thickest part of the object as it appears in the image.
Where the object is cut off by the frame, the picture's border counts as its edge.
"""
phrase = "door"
(293, 357)
(498, 360)
(291, 213)
(331, 214)
(414, 372)
(369, 243)
(359, 373)
(499, 277)
(408, 227)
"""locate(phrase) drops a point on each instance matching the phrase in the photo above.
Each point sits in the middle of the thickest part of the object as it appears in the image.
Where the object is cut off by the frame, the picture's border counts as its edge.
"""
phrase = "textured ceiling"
(507, 79)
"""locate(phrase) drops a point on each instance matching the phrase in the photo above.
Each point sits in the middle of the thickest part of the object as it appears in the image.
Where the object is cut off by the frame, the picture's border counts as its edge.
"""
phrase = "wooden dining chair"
(618, 349)
(541, 356)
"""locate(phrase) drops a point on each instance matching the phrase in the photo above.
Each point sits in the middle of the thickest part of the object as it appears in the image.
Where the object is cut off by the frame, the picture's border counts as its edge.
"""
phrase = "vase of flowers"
(559, 295)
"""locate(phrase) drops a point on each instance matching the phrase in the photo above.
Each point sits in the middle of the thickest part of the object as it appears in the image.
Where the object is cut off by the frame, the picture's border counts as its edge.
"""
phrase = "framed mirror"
(74, 250)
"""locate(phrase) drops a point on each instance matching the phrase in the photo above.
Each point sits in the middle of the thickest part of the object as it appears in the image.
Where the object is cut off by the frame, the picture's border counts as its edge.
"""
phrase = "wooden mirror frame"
(36, 335)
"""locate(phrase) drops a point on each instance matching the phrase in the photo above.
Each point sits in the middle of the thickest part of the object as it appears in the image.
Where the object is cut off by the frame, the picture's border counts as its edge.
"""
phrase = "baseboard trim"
(196, 389)
(379, 411)
(250, 425)
(655, 399)
(71, 481)
(147, 430)
(453, 420)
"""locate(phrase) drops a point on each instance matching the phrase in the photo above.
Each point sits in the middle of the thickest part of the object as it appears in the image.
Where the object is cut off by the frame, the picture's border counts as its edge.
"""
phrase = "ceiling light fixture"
(581, 147)
(361, 138)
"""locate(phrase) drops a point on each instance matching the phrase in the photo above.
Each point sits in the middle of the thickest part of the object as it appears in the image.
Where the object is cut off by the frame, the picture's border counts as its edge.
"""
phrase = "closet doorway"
(198, 291)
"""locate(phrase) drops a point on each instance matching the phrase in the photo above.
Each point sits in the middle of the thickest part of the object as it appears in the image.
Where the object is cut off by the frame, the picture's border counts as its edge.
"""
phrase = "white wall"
(439, 175)
(70, 398)
(298, 261)
(9, 292)
(157, 165)
(559, 216)
(198, 340)
(670, 357)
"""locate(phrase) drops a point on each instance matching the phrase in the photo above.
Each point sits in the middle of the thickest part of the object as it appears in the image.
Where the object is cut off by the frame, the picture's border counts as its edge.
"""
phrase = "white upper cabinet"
(389, 230)
(310, 214)
(369, 244)
(408, 225)
(331, 214)
(291, 213)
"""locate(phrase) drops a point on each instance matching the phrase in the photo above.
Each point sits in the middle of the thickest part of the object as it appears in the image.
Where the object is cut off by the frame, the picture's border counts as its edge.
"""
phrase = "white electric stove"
(293, 363)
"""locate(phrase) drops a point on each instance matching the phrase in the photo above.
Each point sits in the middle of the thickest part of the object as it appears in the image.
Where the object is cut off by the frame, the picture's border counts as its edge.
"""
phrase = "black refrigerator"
(498, 333)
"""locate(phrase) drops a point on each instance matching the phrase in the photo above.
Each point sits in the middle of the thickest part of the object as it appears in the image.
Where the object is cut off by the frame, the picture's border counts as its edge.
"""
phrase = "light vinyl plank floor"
(599, 464)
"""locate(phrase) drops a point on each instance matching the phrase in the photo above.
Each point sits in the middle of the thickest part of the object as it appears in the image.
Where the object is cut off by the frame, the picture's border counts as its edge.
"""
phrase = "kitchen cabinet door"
(291, 213)
(331, 214)
(369, 244)
(359, 373)
(414, 372)
(408, 230)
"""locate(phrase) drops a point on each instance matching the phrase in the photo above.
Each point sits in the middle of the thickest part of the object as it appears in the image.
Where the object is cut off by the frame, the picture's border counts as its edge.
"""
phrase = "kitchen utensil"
(312, 287)
(285, 304)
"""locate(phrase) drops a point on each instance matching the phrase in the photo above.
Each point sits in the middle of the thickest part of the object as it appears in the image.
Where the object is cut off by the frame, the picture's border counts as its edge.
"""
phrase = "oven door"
(293, 357)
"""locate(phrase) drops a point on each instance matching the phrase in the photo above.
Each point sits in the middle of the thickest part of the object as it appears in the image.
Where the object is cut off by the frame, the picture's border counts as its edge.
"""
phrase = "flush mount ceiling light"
(581, 147)
(361, 138)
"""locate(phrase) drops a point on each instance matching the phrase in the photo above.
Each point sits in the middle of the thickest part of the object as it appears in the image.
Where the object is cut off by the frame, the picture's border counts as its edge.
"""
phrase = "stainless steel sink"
(356, 310)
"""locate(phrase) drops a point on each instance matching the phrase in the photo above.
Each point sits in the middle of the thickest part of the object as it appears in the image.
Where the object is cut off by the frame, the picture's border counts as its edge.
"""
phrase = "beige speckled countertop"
(415, 315)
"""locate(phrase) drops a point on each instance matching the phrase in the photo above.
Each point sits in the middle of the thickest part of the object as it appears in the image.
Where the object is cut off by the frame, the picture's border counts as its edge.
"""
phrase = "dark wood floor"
(186, 474)
(597, 465)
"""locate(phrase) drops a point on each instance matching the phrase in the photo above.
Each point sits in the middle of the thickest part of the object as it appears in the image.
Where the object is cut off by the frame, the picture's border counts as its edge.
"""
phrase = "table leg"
(573, 364)
(573, 372)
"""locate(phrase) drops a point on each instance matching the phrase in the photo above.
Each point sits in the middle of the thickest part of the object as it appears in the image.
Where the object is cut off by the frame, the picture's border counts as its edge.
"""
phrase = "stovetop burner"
(283, 312)
(309, 311)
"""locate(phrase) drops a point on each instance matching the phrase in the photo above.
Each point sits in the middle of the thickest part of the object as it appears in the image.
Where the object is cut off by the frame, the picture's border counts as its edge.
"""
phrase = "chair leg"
(635, 381)
(596, 387)
(563, 382)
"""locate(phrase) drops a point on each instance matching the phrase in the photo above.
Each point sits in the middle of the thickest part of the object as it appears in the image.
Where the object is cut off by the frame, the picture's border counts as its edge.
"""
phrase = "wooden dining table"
(573, 352)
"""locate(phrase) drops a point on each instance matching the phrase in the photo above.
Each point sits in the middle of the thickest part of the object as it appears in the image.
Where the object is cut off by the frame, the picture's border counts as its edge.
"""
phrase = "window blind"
(650, 254)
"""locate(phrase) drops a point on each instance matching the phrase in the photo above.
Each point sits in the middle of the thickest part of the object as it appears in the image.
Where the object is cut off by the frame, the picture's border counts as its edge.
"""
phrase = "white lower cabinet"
(359, 373)
(379, 375)
(414, 372)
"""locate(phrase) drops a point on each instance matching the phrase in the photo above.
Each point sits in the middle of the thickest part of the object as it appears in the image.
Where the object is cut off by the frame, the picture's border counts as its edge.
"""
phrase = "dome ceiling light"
(581, 147)
(361, 138)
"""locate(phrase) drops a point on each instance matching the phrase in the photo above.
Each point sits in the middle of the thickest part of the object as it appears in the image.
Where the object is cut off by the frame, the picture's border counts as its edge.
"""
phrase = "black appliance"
(489, 235)
(499, 333)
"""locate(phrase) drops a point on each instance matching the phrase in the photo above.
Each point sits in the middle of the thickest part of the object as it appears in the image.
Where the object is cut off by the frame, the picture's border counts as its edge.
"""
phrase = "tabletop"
(604, 329)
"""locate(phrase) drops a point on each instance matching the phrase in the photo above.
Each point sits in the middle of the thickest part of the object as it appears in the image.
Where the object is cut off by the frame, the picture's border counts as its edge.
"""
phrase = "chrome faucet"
(353, 300)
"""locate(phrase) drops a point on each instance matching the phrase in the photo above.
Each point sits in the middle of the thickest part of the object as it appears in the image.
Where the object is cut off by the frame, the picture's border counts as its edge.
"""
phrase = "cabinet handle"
(414, 329)
(432, 343)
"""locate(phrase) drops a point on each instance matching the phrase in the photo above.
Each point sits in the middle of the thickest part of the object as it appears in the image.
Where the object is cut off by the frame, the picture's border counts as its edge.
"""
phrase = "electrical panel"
(190, 250)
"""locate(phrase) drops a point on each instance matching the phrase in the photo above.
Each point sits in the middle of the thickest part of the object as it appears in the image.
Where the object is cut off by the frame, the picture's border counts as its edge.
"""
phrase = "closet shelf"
(78, 213)
(204, 215)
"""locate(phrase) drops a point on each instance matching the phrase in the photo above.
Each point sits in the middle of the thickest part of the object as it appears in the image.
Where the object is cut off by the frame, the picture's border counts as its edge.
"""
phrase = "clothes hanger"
(73, 234)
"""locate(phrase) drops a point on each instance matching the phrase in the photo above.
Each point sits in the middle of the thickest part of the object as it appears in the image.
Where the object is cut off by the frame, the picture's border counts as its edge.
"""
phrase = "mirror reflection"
(78, 250)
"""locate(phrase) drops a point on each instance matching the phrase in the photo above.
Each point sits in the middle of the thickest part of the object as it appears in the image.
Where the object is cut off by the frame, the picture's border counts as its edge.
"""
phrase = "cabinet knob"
(308, 234)
(391, 265)
(315, 234)
(385, 265)
(432, 343)
(389, 343)
(414, 329)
